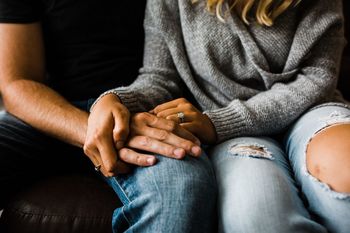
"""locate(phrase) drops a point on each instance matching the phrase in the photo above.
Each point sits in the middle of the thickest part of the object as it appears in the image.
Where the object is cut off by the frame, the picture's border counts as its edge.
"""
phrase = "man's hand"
(108, 129)
(194, 121)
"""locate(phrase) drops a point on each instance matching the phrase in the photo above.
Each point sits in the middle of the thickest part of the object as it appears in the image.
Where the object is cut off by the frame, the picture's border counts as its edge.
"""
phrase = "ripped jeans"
(265, 186)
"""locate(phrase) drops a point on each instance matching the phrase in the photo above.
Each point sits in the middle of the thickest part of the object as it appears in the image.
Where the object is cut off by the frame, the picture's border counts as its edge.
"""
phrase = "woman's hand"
(194, 121)
(108, 130)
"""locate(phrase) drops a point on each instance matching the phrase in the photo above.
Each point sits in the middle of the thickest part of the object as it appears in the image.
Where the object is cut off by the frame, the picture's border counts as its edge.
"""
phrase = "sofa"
(74, 203)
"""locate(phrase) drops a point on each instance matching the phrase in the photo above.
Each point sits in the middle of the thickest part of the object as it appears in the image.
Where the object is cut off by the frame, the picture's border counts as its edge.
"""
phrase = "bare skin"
(195, 121)
(108, 131)
(328, 157)
(22, 75)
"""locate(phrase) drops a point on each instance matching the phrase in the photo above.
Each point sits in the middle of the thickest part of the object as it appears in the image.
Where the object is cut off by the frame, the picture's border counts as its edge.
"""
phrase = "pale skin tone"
(22, 75)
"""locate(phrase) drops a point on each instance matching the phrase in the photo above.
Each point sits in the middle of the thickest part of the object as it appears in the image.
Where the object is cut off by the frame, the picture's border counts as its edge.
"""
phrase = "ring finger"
(187, 117)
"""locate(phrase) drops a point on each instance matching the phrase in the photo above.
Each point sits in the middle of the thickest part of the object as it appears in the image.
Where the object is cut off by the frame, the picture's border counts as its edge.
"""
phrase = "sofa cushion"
(69, 203)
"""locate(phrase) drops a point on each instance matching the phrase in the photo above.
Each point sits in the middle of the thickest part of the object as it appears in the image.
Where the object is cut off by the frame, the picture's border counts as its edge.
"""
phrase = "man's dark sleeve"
(20, 11)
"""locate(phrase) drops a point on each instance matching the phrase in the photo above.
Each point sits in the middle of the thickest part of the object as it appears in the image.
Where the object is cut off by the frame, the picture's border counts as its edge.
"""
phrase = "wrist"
(107, 93)
(212, 134)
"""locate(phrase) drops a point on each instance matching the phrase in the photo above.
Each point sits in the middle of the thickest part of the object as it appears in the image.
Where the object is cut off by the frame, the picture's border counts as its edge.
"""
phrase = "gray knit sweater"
(249, 80)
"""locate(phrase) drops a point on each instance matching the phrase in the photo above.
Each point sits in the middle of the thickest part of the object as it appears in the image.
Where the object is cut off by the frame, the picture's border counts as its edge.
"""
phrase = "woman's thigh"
(316, 128)
(257, 192)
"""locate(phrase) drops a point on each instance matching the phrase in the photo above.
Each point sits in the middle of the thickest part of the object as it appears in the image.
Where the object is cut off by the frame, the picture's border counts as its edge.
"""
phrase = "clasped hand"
(115, 139)
(193, 120)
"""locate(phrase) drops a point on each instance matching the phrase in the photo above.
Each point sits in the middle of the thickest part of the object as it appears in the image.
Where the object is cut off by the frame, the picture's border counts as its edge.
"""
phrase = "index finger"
(171, 126)
(167, 105)
(121, 127)
(185, 134)
(108, 156)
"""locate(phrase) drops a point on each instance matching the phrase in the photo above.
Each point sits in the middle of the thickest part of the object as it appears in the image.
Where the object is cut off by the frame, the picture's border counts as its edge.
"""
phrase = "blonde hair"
(265, 14)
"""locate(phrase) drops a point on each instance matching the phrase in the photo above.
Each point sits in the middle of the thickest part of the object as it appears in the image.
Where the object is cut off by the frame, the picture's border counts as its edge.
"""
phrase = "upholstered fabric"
(63, 204)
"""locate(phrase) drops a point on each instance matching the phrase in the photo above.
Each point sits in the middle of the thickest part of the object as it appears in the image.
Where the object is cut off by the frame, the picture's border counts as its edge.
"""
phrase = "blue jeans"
(172, 196)
(265, 187)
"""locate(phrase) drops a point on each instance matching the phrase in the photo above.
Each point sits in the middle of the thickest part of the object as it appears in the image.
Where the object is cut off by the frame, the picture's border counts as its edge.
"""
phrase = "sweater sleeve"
(271, 111)
(159, 80)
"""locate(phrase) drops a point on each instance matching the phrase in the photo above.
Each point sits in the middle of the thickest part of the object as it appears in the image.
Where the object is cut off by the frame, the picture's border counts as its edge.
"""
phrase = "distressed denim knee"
(328, 157)
(256, 189)
(172, 196)
(318, 147)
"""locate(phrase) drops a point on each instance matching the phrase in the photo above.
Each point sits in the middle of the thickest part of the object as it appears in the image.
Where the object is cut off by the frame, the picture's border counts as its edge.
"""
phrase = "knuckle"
(187, 106)
(153, 120)
(156, 109)
(172, 126)
(182, 100)
(143, 116)
(186, 146)
(124, 112)
(163, 135)
(123, 152)
(87, 148)
(121, 132)
(144, 140)
(166, 150)
(139, 160)
(138, 117)
(97, 135)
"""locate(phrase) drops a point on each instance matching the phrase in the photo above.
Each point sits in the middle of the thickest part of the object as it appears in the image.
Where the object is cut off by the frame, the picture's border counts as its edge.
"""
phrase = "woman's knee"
(328, 157)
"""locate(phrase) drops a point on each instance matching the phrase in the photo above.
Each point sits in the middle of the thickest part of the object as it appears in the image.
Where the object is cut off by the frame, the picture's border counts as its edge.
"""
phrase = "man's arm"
(25, 95)
(22, 75)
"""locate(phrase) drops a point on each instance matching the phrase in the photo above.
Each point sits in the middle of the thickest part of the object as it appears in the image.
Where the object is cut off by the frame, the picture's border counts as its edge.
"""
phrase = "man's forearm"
(45, 110)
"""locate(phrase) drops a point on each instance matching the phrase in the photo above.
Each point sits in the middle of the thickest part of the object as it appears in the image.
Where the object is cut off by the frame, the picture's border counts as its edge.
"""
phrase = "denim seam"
(125, 217)
(125, 197)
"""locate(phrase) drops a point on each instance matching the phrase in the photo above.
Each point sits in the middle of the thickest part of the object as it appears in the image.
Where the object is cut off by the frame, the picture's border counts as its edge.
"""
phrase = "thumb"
(121, 127)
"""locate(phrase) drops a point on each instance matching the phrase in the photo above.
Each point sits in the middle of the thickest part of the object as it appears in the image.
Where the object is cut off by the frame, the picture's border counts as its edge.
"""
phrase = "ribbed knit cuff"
(229, 121)
(126, 97)
(129, 99)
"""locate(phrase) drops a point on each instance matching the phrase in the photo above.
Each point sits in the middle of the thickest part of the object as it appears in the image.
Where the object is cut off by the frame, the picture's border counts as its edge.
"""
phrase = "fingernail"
(151, 160)
(196, 150)
(179, 152)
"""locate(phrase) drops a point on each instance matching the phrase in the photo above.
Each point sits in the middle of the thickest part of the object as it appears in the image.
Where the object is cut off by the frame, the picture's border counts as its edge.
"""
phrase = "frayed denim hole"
(251, 150)
(335, 118)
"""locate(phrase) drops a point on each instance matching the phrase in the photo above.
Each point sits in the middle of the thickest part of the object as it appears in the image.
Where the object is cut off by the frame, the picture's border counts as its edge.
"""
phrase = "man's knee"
(192, 180)
(182, 193)
(328, 157)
